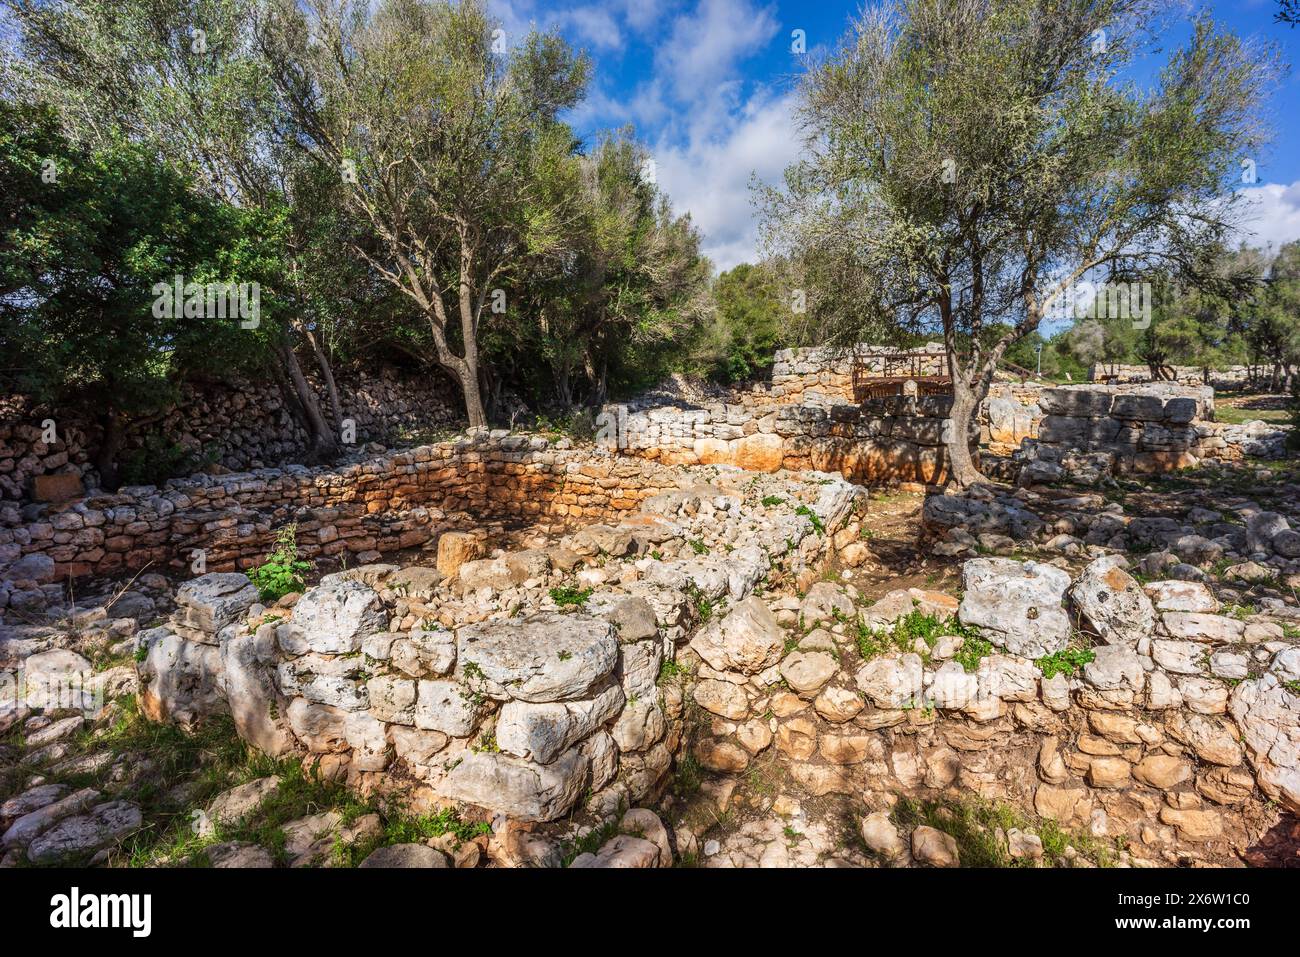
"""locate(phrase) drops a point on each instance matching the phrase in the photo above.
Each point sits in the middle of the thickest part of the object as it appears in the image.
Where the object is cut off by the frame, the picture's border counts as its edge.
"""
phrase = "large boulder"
(1113, 602)
(333, 619)
(543, 731)
(892, 682)
(251, 695)
(748, 639)
(1017, 605)
(58, 679)
(182, 680)
(210, 602)
(546, 657)
(519, 788)
(1261, 528)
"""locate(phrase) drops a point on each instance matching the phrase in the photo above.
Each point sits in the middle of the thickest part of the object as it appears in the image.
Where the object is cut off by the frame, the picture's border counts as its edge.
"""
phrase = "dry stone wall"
(1091, 430)
(236, 425)
(799, 373)
(384, 504)
(884, 440)
(1231, 377)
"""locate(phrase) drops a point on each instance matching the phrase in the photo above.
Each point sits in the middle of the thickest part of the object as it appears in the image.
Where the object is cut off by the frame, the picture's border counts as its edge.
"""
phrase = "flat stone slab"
(85, 833)
(546, 657)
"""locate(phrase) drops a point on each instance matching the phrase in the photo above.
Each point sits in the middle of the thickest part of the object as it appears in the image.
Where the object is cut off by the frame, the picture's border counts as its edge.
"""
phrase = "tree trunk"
(327, 374)
(563, 384)
(324, 442)
(965, 401)
(109, 447)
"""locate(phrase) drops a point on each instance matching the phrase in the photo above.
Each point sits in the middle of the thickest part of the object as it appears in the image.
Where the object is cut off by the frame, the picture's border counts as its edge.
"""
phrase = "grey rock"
(334, 619)
(545, 657)
(404, 855)
(86, 833)
(1017, 605)
(519, 788)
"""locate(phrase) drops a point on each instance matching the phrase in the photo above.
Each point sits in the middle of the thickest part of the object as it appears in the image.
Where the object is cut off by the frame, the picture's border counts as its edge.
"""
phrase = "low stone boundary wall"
(236, 424)
(1230, 377)
(1171, 731)
(391, 502)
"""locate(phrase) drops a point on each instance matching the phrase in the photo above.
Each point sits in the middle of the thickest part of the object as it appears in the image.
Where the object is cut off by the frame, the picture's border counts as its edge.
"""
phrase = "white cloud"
(711, 178)
(593, 25)
(1274, 215)
(704, 47)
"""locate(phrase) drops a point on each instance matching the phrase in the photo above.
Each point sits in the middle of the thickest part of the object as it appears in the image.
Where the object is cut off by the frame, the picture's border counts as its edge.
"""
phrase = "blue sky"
(708, 86)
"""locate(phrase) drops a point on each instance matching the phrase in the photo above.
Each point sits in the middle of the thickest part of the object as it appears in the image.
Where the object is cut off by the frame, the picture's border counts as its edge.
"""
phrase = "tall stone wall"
(233, 424)
(817, 369)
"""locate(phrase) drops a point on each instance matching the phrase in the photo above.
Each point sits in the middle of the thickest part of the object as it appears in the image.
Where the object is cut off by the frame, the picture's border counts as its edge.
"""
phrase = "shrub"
(283, 570)
(569, 595)
(1068, 661)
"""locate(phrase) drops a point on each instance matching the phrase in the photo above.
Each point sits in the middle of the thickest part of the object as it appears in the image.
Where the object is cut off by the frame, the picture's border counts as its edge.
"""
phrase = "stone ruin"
(1092, 430)
(540, 636)
(469, 679)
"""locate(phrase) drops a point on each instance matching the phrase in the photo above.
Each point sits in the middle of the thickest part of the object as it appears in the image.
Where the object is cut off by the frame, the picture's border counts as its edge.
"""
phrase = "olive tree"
(969, 162)
(435, 124)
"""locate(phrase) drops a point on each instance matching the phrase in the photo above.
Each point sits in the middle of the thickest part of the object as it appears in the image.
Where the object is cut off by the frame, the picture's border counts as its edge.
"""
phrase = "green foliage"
(751, 313)
(818, 526)
(1068, 661)
(157, 460)
(698, 546)
(570, 595)
(84, 237)
(958, 146)
(283, 570)
(973, 650)
(769, 501)
(974, 823)
(703, 604)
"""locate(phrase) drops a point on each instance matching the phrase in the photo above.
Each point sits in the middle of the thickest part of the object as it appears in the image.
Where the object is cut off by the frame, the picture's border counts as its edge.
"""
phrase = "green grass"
(770, 500)
(929, 628)
(1232, 415)
(973, 824)
(818, 526)
(973, 650)
(209, 759)
(704, 605)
